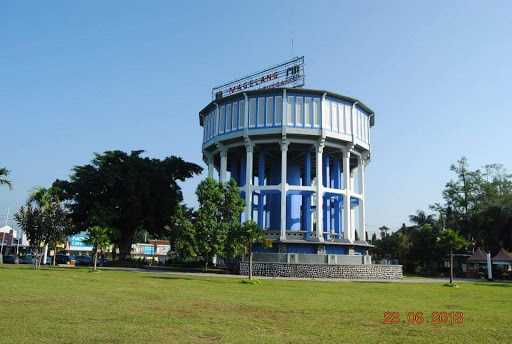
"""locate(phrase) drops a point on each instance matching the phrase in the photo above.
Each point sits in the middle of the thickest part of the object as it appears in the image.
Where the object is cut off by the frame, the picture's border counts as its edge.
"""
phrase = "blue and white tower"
(299, 157)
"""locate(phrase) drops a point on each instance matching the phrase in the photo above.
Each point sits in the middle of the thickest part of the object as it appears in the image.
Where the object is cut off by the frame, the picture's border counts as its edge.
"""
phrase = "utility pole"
(451, 266)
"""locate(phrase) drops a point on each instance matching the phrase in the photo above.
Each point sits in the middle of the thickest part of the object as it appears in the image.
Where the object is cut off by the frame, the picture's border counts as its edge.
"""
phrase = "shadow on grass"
(371, 282)
(506, 284)
(194, 278)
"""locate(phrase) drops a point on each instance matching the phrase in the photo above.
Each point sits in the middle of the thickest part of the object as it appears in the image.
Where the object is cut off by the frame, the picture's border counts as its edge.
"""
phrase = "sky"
(78, 77)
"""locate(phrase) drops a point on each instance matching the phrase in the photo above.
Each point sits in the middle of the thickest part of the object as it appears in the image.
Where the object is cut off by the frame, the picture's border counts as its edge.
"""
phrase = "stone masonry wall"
(362, 272)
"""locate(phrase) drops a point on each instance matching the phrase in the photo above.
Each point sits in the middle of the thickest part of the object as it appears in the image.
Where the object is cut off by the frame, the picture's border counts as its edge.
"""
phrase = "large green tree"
(220, 207)
(478, 204)
(477, 207)
(126, 192)
(182, 232)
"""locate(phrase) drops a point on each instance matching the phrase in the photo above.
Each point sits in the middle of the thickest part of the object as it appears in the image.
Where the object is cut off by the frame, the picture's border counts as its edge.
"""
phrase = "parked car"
(104, 262)
(63, 259)
(27, 259)
(49, 260)
(11, 259)
(83, 260)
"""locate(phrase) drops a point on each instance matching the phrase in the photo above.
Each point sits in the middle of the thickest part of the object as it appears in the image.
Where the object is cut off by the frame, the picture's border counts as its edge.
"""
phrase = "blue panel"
(336, 174)
(274, 200)
(359, 251)
(77, 241)
(311, 249)
(149, 250)
(354, 202)
(293, 201)
(263, 249)
(325, 171)
(337, 216)
(242, 171)
(235, 174)
(306, 199)
(335, 249)
(261, 182)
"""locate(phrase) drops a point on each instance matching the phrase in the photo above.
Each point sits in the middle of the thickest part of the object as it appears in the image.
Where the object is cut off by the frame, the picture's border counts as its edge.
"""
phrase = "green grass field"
(77, 306)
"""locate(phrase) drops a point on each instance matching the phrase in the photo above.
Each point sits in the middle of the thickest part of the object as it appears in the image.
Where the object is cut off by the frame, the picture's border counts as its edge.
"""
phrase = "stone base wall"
(360, 272)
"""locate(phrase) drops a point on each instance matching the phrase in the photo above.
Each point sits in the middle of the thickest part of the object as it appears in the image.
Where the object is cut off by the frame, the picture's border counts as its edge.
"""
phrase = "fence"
(304, 258)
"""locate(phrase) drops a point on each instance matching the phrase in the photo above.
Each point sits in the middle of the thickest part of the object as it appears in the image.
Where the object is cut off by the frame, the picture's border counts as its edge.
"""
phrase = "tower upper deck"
(290, 111)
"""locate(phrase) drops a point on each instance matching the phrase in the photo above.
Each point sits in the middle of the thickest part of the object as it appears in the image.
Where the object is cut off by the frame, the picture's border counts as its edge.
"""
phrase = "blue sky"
(78, 77)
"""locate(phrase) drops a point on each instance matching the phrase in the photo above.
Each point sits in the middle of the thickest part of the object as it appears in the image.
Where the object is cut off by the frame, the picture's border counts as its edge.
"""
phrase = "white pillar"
(489, 266)
(223, 165)
(362, 215)
(248, 181)
(45, 253)
(347, 222)
(284, 157)
(319, 191)
(211, 167)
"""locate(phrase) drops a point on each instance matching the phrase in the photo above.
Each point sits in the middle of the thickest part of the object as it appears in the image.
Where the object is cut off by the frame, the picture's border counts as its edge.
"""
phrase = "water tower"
(299, 157)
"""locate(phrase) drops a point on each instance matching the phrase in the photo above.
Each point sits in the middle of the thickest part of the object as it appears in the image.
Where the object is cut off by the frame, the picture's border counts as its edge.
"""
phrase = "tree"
(29, 218)
(43, 220)
(478, 204)
(383, 231)
(462, 198)
(99, 238)
(127, 193)
(210, 229)
(4, 173)
(218, 217)
(243, 239)
(421, 218)
(182, 233)
(448, 241)
(54, 219)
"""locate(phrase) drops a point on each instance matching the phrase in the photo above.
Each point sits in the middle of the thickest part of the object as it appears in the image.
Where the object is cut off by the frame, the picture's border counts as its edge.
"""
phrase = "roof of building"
(478, 256)
(5, 229)
(503, 256)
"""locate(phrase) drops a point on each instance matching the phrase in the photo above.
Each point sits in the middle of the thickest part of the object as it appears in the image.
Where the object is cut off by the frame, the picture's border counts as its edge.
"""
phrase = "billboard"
(77, 242)
(287, 74)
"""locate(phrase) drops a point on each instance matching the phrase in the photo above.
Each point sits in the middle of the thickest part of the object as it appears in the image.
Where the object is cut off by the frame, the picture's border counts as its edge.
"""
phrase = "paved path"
(425, 280)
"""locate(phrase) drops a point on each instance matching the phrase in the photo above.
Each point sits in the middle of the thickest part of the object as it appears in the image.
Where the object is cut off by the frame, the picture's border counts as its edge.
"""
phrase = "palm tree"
(99, 238)
(3, 177)
(421, 218)
(384, 231)
(41, 196)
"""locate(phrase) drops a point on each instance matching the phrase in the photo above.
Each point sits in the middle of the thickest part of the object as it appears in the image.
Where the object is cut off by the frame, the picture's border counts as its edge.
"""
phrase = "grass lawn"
(76, 306)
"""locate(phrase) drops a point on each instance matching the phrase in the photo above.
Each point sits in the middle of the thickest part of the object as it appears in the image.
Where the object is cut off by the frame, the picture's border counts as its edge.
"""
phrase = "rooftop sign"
(287, 74)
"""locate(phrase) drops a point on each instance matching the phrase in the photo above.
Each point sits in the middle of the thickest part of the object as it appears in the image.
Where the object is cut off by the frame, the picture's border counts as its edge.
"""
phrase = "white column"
(45, 253)
(284, 187)
(362, 215)
(211, 167)
(248, 181)
(223, 165)
(319, 191)
(347, 222)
